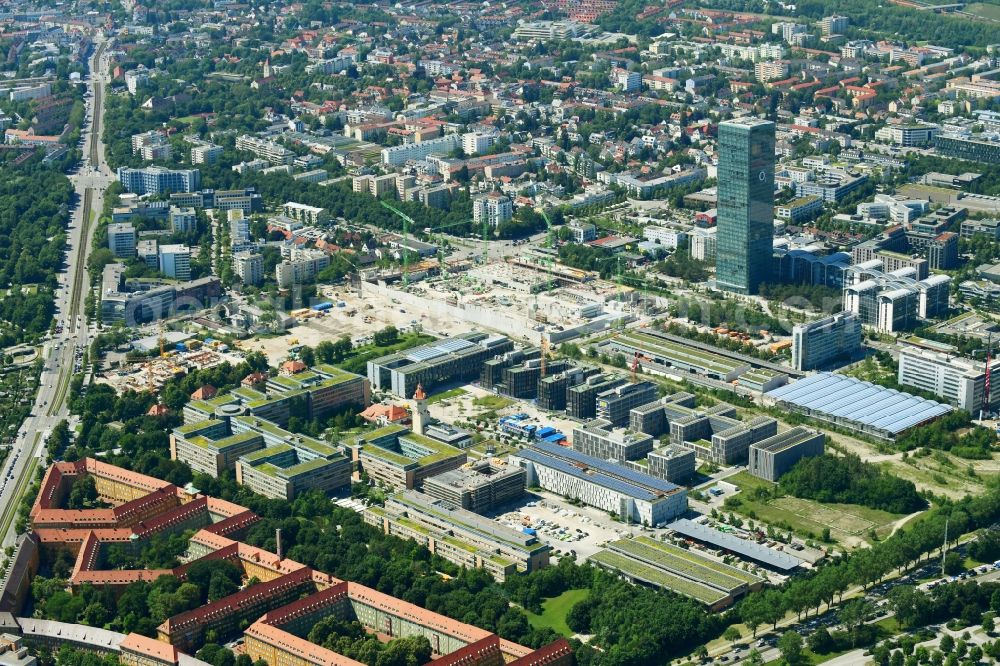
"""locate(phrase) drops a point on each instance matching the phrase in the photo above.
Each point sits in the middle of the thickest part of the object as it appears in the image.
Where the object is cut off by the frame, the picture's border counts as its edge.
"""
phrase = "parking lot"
(578, 530)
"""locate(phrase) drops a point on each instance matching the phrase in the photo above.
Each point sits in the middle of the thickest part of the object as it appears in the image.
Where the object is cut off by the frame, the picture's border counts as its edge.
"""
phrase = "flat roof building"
(686, 358)
(601, 439)
(680, 570)
(459, 535)
(456, 359)
(673, 463)
(730, 543)
(402, 459)
(479, 486)
(857, 405)
(746, 204)
(939, 369)
(772, 457)
(630, 495)
(818, 343)
(615, 404)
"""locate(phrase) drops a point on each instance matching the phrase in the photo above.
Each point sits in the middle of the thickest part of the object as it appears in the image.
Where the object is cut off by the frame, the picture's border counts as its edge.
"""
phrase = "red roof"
(293, 367)
(206, 392)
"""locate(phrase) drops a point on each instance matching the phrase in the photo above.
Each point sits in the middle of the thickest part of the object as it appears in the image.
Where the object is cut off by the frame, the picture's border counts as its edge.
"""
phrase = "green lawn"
(492, 402)
(807, 517)
(445, 395)
(985, 10)
(554, 612)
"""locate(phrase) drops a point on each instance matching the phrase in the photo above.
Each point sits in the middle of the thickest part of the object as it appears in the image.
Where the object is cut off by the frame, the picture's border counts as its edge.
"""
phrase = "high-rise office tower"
(746, 204)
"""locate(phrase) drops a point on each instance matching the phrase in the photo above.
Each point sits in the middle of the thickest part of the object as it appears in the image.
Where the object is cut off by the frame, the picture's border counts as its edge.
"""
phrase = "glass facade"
(746, 204)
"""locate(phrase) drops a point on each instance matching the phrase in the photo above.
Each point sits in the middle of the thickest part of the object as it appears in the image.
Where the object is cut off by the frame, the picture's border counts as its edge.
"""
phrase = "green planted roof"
(679, 352)
(197, 426)
(656, 576)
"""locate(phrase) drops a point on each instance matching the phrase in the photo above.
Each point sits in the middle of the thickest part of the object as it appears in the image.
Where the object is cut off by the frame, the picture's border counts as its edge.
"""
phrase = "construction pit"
(509, 298)
(516, 298)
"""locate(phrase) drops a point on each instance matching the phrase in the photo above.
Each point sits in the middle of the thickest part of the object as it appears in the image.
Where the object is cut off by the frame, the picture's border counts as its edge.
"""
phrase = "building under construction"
(456, 359)
(581, 400)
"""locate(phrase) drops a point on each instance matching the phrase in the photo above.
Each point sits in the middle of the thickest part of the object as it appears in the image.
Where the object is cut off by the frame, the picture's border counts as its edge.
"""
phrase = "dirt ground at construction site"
(359, 318)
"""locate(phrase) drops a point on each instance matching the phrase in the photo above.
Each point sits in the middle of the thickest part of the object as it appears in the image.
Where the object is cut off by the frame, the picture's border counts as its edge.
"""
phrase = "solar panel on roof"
(633, 477)
(734, 544)
(421, 354)
(454, 345)
(859, 401)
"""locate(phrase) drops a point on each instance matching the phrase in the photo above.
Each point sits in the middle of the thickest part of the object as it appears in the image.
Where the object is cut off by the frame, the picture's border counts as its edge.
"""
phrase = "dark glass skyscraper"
(746, 204)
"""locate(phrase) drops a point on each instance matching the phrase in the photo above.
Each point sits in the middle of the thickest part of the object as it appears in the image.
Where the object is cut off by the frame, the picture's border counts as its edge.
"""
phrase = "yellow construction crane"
(163, 341)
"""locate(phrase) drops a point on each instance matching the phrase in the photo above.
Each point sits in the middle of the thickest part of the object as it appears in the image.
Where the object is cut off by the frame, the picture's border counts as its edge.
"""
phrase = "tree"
(954, 564)
(910, 606)
(307, 356)
(83, 494)
(387, 336)
(731, 634)
(790, 645)
(988, 624)
(853, 614)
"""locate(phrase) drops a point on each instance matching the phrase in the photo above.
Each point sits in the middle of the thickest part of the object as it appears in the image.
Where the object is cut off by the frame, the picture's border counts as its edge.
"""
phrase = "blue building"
(746, 204)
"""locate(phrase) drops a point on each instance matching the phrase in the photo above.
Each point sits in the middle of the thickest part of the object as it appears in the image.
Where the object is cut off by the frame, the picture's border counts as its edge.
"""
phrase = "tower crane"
(407, 221)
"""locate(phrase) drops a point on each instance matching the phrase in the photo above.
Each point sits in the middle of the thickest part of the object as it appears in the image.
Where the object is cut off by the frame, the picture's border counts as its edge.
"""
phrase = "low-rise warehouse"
(729, 543)
(683, 571)
(681, 357)
(857, 405)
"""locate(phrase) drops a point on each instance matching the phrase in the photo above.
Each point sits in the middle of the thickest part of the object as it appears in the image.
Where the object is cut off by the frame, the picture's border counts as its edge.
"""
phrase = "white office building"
(475, 143)
(273, 152)
(668, 238)
(205, 153)
(183, 220)
(396, 155)
(302, 267)
(121, 240)
(175, 261)
(305, 214)
(937, 368)
(494, 208)
(239, 228)
(814, 344)
(703, 243)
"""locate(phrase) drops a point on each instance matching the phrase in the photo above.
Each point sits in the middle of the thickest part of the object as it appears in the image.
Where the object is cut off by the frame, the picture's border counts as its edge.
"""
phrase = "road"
(63, 352)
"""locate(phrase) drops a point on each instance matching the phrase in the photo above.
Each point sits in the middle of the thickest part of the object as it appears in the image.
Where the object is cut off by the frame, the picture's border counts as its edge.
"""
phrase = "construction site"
(517, 297)
(528, 296)
(173, 360)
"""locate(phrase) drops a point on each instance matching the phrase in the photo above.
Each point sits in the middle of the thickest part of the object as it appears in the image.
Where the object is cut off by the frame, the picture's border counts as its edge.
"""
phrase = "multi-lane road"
(62, 353)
